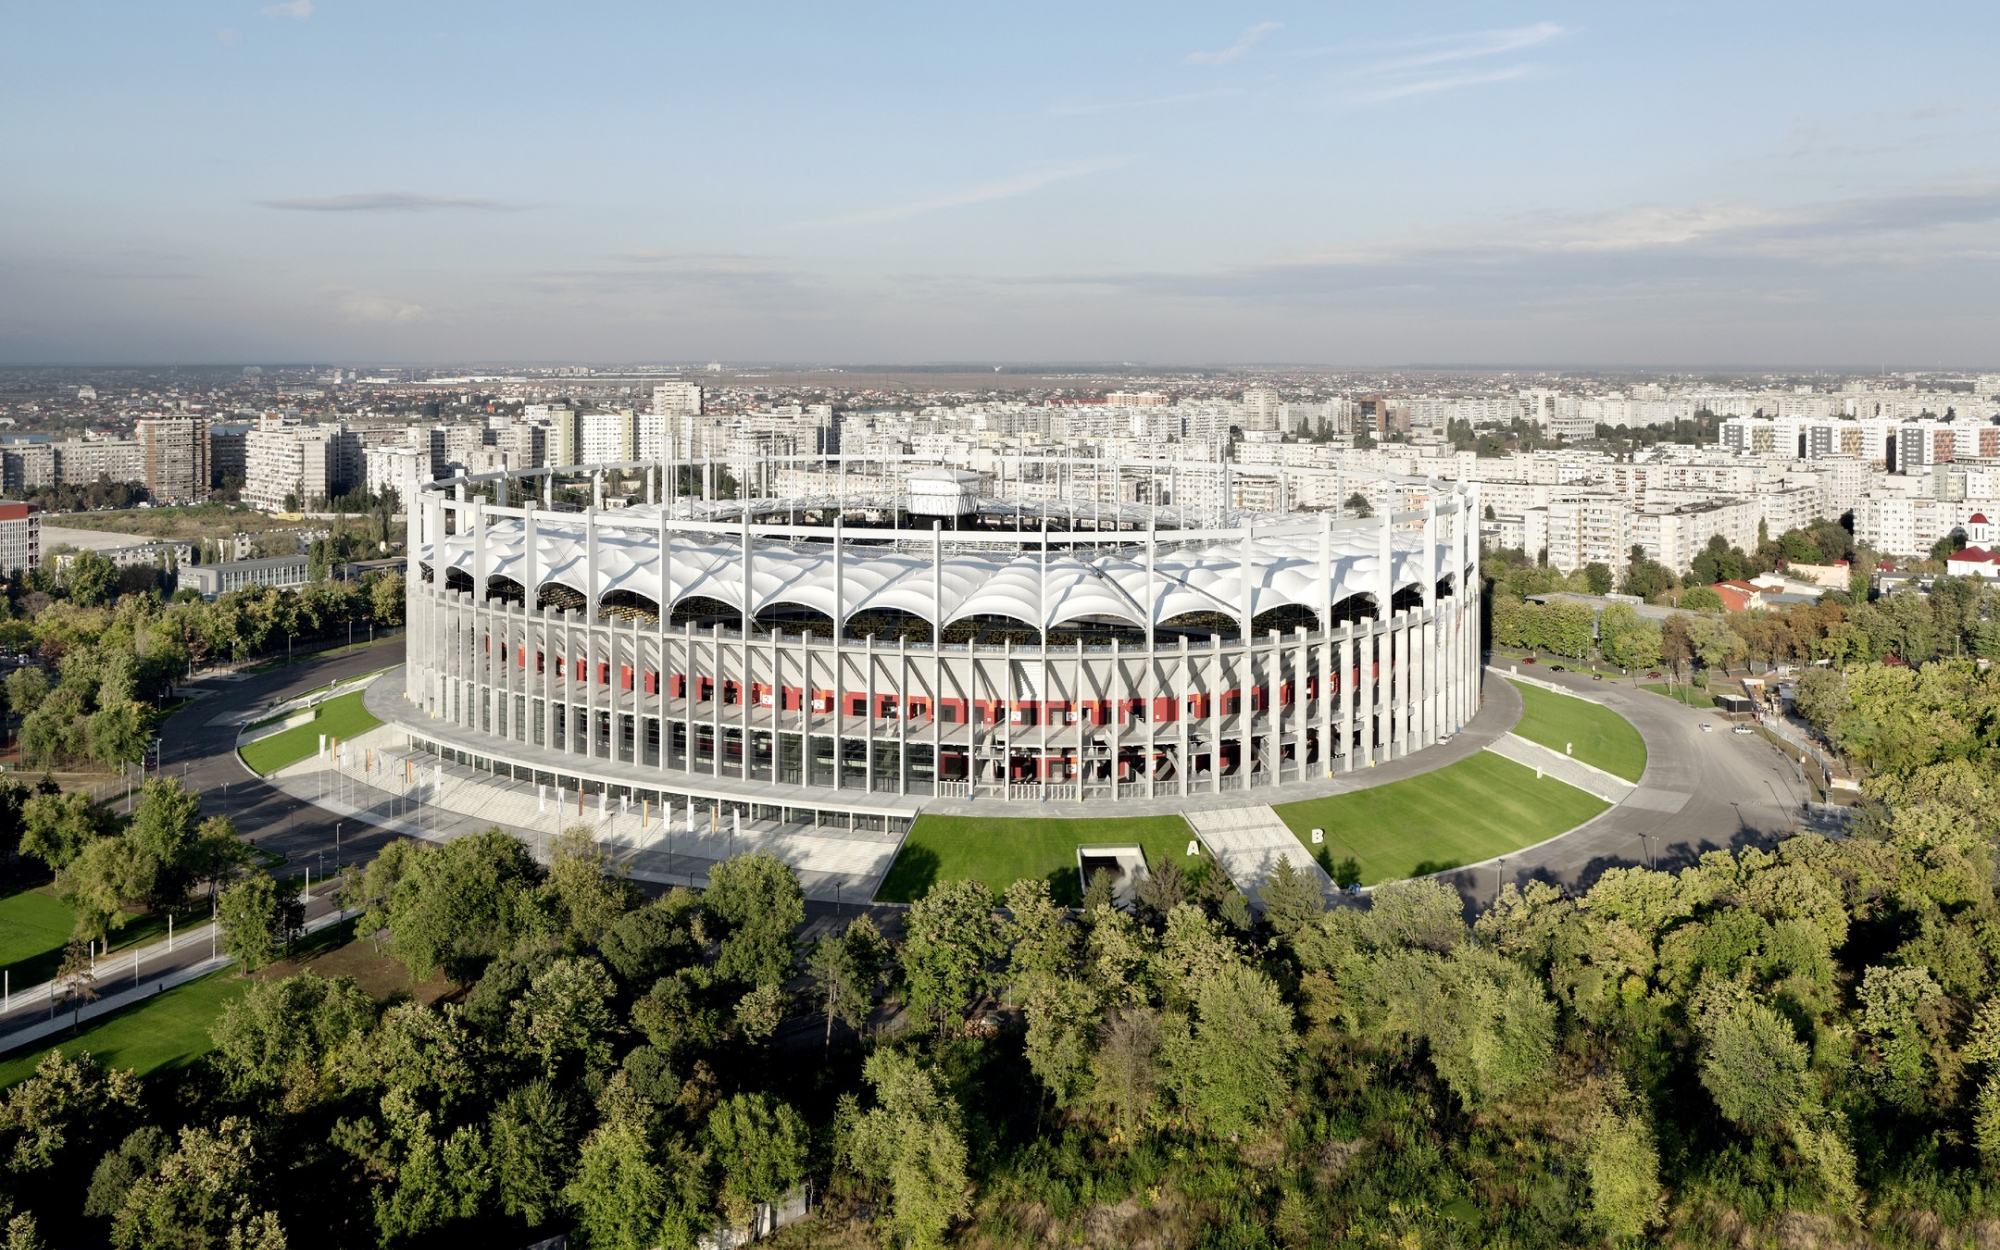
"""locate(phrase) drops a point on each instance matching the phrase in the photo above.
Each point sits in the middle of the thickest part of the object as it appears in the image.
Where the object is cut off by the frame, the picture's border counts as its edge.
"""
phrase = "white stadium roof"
(1103, 583)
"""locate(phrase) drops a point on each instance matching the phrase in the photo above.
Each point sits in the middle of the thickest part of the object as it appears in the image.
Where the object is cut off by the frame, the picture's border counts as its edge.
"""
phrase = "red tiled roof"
(1975, 555)
(1978, 518)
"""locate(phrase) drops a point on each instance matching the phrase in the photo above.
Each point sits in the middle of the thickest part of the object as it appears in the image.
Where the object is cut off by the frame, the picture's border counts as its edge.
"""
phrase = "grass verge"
(1590, 731)
(35, 926)
(168, 1030)
(1001, 850)
(336, 718)
(1681, 694)
(1460, 814)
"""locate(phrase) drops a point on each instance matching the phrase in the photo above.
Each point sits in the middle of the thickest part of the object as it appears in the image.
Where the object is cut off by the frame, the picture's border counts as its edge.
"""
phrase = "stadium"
(861, 638)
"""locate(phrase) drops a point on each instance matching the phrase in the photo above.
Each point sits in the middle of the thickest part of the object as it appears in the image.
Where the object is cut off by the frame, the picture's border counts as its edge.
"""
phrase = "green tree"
(277, 1039)
(1623, 1163)
(117, 733)
(64, 1114)
(164, 845)
(1125, 1069)
(586, 899)
(248, 914)
(1820, 694)
(1597, 576)
(566, 1015)
(205, 1193)
(138, 1155)
(759, 903)
(26, 688)
(1063, 1018)
(1358, 506)
(1042, 942)
(949, 945)
(56, 827)
(1903, 1015)
(1715, 644)
(1291, 898)
(912, 1140)
(533, 1134)
(1754, 1065)
(1232, 1068)
(761, 1145)
(628, 1195)
(457, 905)
(91, 579)
(845, 968)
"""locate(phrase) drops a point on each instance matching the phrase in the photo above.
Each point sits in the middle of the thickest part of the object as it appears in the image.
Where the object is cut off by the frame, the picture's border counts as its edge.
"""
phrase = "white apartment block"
(401, 469)
(607, 436)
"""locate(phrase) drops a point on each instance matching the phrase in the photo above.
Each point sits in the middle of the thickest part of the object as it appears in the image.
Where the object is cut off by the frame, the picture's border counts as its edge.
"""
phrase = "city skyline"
(1485, 184)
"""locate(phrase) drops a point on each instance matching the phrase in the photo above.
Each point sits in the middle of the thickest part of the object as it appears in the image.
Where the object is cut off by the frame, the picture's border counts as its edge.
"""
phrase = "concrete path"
(378, 781)
(1247, 842)
(42, 1011)
(1570, 771)
(1700, 792)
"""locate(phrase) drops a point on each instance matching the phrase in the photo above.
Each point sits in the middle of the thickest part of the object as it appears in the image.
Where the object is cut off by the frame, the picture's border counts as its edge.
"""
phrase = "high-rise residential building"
(301, 466)
(564, 439)
(20, 536)
(174, 453)
(400, 469)
(606, 436)
(526, 445)
(1260, 408)
(672, 398)
(226, 452)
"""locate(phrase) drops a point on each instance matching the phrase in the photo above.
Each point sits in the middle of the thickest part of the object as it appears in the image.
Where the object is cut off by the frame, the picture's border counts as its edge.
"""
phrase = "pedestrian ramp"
(1571, 772)
(379, 781)
(1248, 841)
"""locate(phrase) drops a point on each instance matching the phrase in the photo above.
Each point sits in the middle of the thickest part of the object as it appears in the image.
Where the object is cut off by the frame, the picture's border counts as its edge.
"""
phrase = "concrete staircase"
(1247, 842)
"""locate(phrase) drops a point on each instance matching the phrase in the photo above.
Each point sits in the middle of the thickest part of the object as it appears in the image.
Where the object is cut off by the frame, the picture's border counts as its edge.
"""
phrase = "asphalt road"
(1740, 791)
(202, 751)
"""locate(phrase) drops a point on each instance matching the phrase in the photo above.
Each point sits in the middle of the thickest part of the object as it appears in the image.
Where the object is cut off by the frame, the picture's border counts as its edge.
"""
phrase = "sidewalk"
(377, 780)
(41, 1011)
(1564, 768)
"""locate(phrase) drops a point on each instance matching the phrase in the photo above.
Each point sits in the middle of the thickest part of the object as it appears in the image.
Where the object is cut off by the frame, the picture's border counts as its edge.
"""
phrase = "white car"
(1743, 729)
(1707, 728)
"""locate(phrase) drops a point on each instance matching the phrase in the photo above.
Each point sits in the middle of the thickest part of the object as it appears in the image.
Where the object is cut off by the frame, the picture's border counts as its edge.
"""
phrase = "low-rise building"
(218, 579)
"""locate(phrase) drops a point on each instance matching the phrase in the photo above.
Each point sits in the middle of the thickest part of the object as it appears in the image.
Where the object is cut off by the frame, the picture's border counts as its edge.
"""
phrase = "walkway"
(1247, 842)
(378, 781)
(1564, 768)
(41, 1011)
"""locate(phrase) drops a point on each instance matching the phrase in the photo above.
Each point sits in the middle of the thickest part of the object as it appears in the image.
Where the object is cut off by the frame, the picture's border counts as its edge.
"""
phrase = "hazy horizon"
(1501, 183)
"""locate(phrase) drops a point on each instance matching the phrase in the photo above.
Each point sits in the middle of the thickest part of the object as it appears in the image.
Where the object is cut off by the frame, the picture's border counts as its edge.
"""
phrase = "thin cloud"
(1114, 106)
(1430, 86)
(388, 202)
(365, 308)
(228, 38)
(291, 10)
(1251, 38)
(1004, 189)
(1426, 66)
(1680, 250)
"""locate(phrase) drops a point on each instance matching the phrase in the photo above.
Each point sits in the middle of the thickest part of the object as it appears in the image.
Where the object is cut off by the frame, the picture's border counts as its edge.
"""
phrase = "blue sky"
(420, 180)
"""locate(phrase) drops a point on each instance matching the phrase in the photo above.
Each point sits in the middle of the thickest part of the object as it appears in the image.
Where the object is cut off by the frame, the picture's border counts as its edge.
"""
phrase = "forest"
(1784, 1046)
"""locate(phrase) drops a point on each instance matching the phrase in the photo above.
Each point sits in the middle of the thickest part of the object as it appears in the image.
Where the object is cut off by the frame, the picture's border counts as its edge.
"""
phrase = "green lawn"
(1461, 814)
(165, 1031)
(1682, 693)
(336, 718)
(35, 926)
(1002, 850)
(1596, 735)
